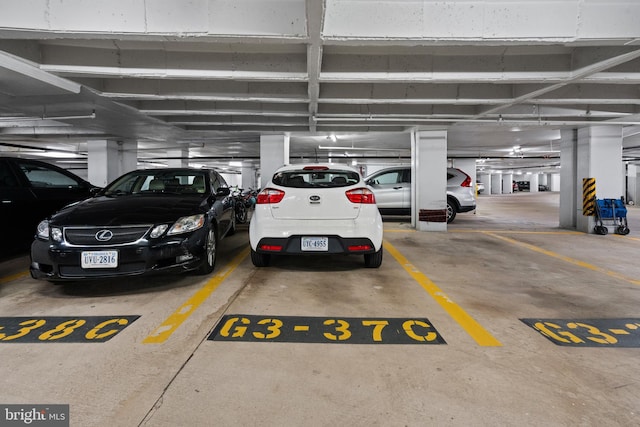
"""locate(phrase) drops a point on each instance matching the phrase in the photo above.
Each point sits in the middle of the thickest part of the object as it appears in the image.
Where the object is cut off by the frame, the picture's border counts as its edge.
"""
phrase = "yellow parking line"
(566, 258)
(473, 328)
(164, 331)
(7, 279)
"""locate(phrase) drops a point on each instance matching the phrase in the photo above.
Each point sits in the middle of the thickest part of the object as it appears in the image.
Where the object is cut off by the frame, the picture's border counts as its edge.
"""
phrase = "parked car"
(542, 187)
(479, 187)
(392, 187)
(524, 185)
(312, 209)
(31, 190)
(143, 222)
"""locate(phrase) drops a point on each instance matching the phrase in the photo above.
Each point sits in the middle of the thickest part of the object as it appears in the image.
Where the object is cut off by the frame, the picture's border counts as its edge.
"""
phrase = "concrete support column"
(274, 152)
(248, 176)
(600, 157)
(429, 179)
(533, 182)
(570, 189)
(632, 184)
(103, 161)
(496, 183)
(178, 158)
(507, 183)
(128, 156)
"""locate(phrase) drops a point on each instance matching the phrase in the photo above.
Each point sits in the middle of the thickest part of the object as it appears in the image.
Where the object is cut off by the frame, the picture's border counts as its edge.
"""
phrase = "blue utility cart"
(611, 212)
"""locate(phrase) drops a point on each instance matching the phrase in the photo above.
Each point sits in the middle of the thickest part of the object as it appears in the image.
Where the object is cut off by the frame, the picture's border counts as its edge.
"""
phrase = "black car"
(143, 222)
(31, 190)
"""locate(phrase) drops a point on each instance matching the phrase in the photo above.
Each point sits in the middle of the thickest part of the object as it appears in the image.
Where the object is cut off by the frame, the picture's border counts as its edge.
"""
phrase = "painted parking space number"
(322, 330)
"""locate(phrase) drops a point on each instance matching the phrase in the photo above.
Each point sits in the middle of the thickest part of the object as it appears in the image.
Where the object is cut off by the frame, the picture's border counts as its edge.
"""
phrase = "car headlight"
(187, 224)
(43, 230)
(158, 230)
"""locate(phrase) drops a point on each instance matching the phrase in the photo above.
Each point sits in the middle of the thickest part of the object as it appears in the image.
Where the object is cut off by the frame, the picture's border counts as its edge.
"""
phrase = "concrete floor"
(508, 261)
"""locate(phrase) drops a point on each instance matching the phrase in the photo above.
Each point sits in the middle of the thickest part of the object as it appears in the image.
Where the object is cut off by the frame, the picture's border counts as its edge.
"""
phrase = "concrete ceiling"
(346, 78)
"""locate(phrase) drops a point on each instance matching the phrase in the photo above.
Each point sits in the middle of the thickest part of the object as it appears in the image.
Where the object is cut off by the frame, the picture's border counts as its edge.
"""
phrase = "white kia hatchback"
(311, 209)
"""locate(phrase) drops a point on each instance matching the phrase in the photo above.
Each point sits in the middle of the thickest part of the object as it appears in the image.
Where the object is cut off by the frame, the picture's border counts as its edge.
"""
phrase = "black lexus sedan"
(154, 220)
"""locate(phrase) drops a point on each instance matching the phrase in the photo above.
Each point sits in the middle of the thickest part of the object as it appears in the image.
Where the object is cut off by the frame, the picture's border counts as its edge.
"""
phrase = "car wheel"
(373, 260)
(451, 212)
(260, 260)
(241, 214)
(210, 252)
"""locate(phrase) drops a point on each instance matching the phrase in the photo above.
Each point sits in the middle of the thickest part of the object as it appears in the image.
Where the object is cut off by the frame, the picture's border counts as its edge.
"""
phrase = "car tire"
(210, 252)
(451, 211)
(241, 213)
(260, 260)
(373, 260)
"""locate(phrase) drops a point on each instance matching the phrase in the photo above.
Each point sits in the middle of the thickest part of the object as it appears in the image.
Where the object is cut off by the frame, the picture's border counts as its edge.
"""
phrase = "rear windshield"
(316, 178)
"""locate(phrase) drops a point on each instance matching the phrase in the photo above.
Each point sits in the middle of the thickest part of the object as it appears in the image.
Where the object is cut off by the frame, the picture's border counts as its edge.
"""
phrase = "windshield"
(325, 178)
(149, 182)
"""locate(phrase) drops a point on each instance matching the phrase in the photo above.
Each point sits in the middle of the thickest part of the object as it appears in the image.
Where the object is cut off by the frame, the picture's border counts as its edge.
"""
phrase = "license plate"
(99, 259)
(315, 243)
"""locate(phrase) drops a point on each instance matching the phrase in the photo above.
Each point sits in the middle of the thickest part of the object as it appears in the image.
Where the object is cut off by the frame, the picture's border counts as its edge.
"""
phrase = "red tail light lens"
(361, 195)
(467, 181)
(359, 248)
(269, 195)
(271, 248)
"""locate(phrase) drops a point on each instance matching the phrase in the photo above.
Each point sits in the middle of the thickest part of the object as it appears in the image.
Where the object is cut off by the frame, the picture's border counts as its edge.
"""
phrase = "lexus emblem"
(104, 235)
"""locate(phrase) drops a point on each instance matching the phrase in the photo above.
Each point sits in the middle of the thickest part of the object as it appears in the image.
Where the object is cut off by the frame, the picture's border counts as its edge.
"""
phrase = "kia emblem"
(104, 235)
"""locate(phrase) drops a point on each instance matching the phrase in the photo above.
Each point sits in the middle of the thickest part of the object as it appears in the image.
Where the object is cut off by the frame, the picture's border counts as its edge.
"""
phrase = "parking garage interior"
(518, 313)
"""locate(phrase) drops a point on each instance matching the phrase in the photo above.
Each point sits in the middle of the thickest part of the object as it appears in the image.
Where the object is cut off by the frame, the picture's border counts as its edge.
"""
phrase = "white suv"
(392, 188)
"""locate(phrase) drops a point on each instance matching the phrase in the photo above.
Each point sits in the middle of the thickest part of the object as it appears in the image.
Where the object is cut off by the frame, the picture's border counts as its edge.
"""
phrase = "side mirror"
(223, 192)
(94, 191)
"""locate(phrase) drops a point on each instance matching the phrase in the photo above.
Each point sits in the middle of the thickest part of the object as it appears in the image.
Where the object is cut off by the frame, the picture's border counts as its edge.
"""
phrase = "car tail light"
(271, 248)
(315, 168)
(359, 248)
(361, 195)
(269, 195)
(467, 181)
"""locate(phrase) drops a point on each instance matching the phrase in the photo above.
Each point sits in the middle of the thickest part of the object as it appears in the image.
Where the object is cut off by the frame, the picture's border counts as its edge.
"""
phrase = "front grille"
(86, 236)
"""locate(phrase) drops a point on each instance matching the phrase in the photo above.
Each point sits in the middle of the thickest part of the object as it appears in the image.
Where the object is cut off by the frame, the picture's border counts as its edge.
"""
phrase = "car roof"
(299, 166)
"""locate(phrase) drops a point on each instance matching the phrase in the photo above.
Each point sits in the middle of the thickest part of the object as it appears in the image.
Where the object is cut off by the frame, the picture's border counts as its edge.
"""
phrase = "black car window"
(7, 178)
(42, 176)
(316, 178)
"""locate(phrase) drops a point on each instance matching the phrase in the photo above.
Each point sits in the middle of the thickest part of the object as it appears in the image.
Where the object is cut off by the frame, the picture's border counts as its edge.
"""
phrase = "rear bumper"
(292, 245)
(365, 228)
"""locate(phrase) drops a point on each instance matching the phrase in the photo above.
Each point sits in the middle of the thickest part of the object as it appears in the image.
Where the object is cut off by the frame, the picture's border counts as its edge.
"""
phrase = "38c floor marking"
(344, 330)
(164, 331)
(62, 329)
(589, 332)
(473, 328)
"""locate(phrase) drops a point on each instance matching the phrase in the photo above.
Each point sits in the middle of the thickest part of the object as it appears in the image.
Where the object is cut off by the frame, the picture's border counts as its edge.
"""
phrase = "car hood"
(131, 209)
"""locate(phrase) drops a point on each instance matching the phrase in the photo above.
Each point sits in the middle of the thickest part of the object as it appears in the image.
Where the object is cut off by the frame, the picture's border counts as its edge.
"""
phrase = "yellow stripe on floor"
(12, 277)
(473, 328)
(168, 327)
(565, 258)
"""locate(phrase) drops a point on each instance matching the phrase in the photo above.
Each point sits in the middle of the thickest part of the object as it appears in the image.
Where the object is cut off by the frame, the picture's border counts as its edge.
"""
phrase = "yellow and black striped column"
(588, 196)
